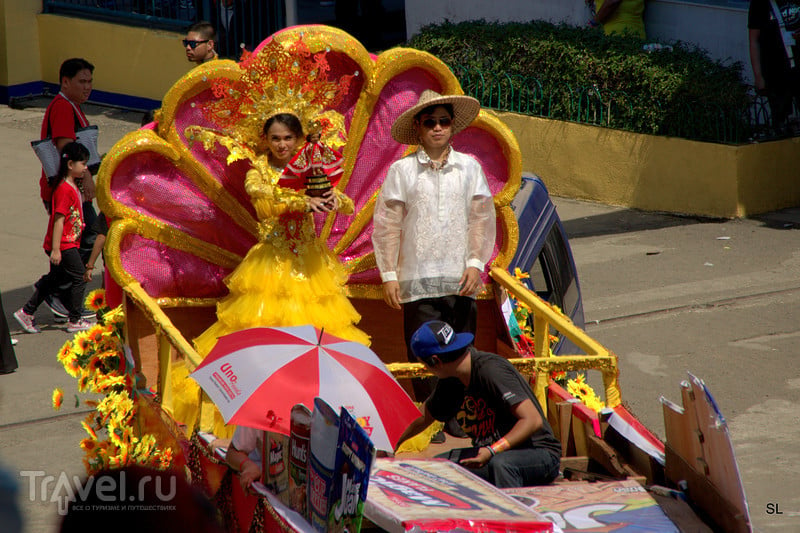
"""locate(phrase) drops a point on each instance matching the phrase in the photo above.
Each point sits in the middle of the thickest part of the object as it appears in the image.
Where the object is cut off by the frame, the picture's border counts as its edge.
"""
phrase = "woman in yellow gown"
(290, 277)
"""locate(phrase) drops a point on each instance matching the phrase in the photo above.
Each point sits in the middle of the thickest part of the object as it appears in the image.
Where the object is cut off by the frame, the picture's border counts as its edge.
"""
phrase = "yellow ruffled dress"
(289, 278)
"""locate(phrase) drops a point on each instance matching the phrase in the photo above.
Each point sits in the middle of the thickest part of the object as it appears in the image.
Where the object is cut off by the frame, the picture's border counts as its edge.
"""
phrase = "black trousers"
(70, 271)
(8, 359)
(461, 312)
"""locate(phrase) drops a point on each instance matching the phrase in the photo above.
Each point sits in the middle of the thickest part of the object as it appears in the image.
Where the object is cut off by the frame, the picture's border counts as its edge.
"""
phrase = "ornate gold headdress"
(277, 79)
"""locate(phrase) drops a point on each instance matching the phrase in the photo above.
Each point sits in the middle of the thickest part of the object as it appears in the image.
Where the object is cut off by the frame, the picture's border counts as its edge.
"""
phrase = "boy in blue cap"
(514, 445)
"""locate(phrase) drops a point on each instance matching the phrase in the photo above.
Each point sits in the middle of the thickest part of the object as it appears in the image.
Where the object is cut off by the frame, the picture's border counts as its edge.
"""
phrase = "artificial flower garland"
(97, 359)
(576, 387)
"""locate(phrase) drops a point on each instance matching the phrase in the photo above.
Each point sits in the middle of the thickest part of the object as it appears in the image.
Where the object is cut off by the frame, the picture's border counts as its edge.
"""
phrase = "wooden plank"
(695, 454)
(721, 466)
(705, 495)
(639, 460)
(607, 457)
(579, 462)
(678, 431)
(565, 430)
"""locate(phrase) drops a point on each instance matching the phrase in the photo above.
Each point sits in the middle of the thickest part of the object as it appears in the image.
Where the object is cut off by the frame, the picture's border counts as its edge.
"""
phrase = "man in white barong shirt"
(434, 222)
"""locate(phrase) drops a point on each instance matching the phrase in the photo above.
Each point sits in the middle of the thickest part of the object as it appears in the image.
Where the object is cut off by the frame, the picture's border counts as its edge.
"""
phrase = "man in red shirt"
(62, 117)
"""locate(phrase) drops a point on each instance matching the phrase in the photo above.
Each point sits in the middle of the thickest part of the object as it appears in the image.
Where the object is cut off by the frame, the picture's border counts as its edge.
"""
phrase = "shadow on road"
(628, 220)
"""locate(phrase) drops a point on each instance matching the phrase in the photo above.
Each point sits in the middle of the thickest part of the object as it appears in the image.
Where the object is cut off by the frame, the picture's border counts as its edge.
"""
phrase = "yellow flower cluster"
(96, 358)
(585, 393)
(523, 316)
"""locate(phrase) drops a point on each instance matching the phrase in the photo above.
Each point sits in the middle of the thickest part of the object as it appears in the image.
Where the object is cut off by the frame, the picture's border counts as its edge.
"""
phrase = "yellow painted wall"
(19, 42)
(658, 173)
(132, 61)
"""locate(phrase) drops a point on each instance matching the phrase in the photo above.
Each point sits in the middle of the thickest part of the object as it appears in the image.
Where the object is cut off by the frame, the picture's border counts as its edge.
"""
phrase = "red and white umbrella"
(255, 376)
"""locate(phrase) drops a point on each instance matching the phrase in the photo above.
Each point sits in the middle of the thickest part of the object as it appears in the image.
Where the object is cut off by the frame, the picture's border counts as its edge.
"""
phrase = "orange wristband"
(500, 446)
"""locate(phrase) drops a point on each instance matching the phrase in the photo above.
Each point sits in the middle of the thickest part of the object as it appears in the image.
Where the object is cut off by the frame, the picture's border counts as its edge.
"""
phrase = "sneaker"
(60, 312)
(81, 325)
(56, 306)
(27, 321)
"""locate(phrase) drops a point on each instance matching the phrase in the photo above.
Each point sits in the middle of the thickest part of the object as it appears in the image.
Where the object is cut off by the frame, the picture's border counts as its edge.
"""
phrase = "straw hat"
(465, 109)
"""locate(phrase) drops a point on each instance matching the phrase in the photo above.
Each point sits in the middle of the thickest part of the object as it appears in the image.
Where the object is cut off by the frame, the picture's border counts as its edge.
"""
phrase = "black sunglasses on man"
(193, 44)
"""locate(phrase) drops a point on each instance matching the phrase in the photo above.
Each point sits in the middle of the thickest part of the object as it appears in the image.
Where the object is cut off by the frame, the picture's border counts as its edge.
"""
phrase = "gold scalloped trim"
(489, 123)
(165, 235)
(511, 232)
(360, 264)
(356, 225)
(190, 85)
(388, 65)
(319, 38)
(148, 141)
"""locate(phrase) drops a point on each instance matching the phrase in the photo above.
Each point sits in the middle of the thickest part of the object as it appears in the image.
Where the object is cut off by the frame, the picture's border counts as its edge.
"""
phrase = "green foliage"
(580, 74)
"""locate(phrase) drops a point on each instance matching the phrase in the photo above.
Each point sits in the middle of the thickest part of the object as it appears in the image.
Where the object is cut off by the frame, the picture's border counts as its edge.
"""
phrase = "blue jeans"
(520, 467)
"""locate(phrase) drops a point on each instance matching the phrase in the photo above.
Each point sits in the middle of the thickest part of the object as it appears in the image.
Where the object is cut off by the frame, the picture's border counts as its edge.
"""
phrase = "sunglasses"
(193, 44)
(444, 122)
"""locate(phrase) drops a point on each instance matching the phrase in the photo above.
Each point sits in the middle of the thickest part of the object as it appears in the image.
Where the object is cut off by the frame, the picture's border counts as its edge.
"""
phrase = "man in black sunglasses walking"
(434, 221)
(200, 43)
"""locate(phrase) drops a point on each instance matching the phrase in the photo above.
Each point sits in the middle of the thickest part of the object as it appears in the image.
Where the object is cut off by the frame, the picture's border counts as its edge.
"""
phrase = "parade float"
(183, 221)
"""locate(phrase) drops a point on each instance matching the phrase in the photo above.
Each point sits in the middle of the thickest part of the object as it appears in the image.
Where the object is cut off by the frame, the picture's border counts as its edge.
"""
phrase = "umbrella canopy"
(255, 376)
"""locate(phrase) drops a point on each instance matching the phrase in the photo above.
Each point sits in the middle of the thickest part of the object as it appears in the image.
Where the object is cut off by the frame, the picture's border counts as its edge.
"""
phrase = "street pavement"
(668, 294)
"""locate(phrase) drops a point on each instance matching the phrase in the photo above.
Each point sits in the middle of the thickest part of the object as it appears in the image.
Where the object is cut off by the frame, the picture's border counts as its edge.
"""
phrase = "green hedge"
(574, 73)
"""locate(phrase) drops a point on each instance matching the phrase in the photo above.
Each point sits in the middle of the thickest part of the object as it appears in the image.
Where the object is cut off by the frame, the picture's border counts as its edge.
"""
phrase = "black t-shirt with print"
(483, 409)
(774, 60)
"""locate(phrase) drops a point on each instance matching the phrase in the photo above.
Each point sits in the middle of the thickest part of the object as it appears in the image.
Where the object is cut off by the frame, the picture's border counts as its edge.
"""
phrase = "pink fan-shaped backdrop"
(189, 113)
(150, 184)
(165, 272)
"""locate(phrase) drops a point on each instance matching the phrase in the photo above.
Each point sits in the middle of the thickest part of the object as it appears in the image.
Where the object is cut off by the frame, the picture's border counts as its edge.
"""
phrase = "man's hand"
(249, 473)
(88, 186)
(391, 294)
(470, 282)
(483, 457)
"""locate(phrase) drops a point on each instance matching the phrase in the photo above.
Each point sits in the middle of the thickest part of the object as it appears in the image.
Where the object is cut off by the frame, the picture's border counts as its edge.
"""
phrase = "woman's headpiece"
(279, 78)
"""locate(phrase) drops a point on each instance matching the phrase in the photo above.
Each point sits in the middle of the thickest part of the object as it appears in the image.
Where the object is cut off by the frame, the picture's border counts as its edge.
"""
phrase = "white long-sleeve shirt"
(430, 225)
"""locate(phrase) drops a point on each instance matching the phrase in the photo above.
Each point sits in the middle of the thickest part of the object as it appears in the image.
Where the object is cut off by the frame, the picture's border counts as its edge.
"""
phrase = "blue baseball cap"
(436, 337)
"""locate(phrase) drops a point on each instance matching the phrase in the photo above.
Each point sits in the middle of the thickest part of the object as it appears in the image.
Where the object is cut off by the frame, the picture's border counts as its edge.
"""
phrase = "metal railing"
(616, 109)
(544, 363)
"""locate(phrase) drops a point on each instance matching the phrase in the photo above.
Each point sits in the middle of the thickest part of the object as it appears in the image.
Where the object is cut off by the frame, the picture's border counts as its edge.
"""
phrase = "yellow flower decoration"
(96, 300)
(58, 399)
(584, 392)
(520, 275)
(97, 358)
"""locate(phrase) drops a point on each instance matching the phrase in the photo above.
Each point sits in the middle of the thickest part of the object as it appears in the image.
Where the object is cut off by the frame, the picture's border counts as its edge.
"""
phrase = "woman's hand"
(318, 204)
(55, 256)
(324, 204)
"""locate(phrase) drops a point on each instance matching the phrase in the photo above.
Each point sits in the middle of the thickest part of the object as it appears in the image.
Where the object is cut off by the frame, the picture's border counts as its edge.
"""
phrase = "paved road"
(668, 294)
